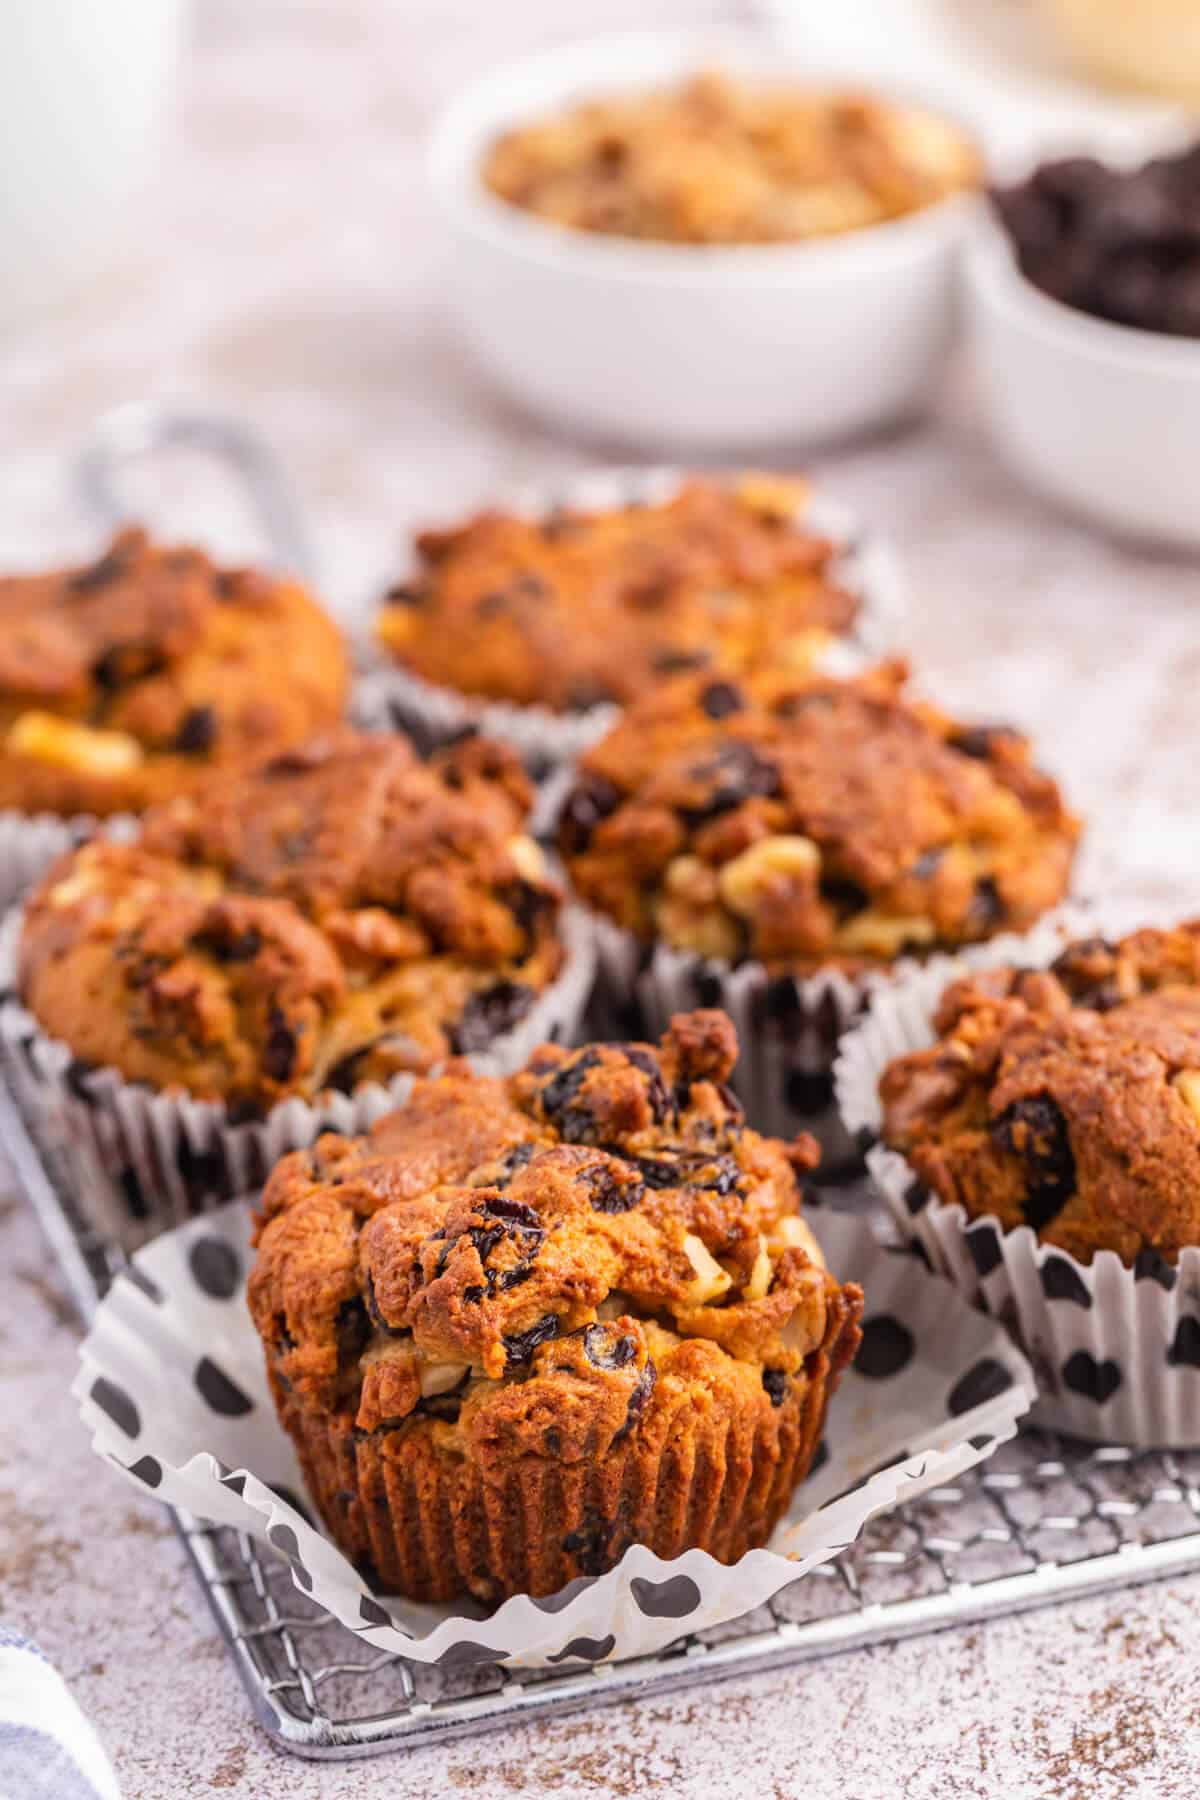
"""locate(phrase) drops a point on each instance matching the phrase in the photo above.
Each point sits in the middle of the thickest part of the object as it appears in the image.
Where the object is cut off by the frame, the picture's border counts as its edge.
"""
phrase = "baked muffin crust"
(802, 819)
(583, 608)
(129, 679)
(588, 1263)
(1066, 1099)
(342, 913)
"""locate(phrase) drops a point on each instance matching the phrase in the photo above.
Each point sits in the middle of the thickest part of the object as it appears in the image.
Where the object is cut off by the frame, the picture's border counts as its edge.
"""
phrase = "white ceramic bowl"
(1101, 418)
(693, 347)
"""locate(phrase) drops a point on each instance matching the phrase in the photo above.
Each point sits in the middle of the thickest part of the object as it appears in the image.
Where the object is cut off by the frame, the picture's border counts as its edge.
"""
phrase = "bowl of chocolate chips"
(1084, 316)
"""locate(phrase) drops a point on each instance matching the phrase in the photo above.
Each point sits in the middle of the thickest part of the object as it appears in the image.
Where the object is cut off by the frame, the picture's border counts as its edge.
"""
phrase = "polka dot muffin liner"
(143, 1160)
(1115, 1350)
(173, 1389)
(790, 1028)
(387, 697)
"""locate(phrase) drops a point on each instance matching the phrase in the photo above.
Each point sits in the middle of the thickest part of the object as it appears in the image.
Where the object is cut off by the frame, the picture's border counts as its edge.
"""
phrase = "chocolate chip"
(589, 1547)
(720, 698)
(679, 662)
(125, 663)
(197, 732)
(561, 1103)
(775, 1381)
(102, 573)
(979, 741)
(639, 1399)
(846, 897)
(591, 800)
(501, 1206)
(279, 1050)
(346, 1073)
(519, 1347)
(405, 593)
(228, 947)
(607, 1351)
(586, 692)
(718, 1174)
(738, 773)
(986, 910)
(1036, 1131)
(610, 1192)
(352, 1330)
(489, 1015)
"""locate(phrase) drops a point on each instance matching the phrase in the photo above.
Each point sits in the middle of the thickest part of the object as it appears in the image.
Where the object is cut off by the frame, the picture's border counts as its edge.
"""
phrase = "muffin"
(714, 161)
(579, 610)
(1044, 1149)
(527, 1323)
(779, 841)
(343, 916)
(1065, 1099)
(126, 681)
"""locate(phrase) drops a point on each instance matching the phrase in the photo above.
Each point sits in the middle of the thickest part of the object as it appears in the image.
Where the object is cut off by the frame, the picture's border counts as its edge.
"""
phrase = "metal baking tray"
(1043, 1520)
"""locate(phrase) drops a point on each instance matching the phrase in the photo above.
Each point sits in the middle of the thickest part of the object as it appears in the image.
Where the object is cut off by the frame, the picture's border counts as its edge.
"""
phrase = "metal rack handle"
(136, 431)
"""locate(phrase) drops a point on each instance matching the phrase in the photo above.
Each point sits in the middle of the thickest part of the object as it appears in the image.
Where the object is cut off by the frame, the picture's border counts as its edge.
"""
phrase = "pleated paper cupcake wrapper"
(172, 1386)
(387, 697)
(789, 1028)
(1115, 1350)
(143, 1160)
(30, 842)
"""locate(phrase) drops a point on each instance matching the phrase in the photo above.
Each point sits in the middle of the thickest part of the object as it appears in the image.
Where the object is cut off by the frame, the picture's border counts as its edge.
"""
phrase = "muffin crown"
(806, 818)
(584, 1226)
(581, 608)
(339, 914)
(121, 680)
(1066, 1099)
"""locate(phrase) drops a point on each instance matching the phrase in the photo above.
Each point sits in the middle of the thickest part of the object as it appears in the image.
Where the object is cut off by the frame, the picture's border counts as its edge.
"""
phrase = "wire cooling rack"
(1042, 1520)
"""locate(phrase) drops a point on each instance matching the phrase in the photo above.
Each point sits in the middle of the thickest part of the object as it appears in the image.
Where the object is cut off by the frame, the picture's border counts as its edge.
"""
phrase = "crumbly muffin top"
(340, 914)
(125, 680)
(541, 1262)
(1066, 1099)
(582, 608)
(804, 819)
(719, 162)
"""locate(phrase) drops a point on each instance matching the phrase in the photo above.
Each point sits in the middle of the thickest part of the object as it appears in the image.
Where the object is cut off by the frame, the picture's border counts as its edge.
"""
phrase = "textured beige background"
(291, 273)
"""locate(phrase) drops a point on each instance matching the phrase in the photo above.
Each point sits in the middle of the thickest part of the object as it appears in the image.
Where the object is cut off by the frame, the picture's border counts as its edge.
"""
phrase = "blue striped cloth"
(48, 1751)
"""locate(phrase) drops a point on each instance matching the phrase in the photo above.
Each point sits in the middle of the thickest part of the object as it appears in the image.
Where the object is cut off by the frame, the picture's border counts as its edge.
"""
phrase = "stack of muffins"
(529, 1304)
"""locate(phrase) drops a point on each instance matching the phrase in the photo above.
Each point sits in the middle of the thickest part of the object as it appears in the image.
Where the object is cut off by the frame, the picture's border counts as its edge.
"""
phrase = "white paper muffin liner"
(387, 697)
(173, 1389)
(30, 842)
(143, 1161)
(1115, 1350)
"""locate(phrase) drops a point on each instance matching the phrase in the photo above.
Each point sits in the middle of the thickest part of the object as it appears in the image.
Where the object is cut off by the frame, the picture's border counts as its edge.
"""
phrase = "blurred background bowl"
(1101, 418)
(680, 346)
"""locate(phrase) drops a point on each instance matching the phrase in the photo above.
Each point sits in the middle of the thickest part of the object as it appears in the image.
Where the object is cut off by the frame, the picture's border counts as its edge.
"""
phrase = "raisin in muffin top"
(581, 608)
(1066, 1099)
(804, 819)
(340, 914)
(554, 1260)
(127, 680)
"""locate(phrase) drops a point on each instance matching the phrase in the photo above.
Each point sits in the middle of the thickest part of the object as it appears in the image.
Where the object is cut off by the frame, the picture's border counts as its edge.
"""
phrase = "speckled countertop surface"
(290, 273)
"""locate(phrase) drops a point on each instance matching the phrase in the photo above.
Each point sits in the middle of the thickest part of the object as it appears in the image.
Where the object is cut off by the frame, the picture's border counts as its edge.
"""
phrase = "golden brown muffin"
(719, 162)
(1065, 1099)
(582, 608)
(342, 913)
(528, 1323)
(128, 680)
(803, 820)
